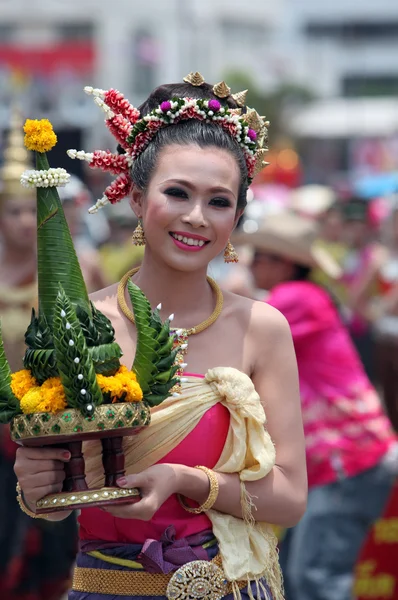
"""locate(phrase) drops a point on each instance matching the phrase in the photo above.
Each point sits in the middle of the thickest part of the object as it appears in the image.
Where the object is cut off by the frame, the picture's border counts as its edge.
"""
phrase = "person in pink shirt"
(349, 440)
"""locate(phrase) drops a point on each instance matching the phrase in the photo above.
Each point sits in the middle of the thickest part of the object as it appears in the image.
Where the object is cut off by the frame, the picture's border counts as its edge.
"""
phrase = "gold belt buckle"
(197, 580)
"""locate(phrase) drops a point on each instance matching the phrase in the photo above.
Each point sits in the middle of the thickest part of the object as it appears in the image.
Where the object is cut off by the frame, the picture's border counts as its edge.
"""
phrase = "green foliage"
(41, 363)
(73, 358)
(154, 357)
(56, 256)
(9, 404)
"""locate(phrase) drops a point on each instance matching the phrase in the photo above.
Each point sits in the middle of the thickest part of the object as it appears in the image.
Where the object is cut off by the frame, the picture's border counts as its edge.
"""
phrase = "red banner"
(77, 57)
(376, 574)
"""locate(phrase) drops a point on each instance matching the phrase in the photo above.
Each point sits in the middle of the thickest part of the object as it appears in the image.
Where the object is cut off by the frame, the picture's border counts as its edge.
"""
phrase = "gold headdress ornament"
(221, 90)
(16, 160)
(134, 132)
(240, 97)
(195, 79)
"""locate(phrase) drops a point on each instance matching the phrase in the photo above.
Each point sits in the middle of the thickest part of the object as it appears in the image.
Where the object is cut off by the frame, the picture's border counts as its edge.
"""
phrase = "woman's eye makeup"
(220, 202)
(179, 193)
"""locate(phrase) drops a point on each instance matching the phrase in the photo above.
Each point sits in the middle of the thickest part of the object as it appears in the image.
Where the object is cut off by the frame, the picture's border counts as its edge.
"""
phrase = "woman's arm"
(280, 497)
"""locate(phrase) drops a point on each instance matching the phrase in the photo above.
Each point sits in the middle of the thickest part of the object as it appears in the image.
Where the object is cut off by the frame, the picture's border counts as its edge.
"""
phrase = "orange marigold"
(21, 382)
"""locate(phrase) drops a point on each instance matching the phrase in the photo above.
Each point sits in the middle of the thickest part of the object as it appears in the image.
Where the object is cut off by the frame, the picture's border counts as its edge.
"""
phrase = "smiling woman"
(209, 475)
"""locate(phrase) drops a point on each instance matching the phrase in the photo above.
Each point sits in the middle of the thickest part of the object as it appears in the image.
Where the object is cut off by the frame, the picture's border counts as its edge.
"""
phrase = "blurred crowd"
(328, 260)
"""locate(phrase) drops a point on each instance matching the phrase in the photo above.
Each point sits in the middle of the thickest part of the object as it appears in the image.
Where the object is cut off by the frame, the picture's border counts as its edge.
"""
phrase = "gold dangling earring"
(138, 238)
(230, 255)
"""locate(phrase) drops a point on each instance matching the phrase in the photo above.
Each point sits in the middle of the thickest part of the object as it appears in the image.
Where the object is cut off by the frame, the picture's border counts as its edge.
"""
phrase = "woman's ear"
(136, 201)
(238, 215)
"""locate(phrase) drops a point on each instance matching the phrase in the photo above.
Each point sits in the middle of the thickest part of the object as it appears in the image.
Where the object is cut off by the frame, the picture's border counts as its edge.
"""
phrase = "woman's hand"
(40, 471)
(156, 485)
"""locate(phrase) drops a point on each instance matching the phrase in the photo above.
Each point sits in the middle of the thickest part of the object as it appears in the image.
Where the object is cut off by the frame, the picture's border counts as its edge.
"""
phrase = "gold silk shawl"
(248, 548)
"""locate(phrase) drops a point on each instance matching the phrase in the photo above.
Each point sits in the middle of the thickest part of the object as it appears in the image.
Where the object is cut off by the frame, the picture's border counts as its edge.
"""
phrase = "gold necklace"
(181, 335)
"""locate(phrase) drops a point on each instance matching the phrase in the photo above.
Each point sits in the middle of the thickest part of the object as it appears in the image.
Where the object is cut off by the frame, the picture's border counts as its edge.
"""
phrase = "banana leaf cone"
(57, 261)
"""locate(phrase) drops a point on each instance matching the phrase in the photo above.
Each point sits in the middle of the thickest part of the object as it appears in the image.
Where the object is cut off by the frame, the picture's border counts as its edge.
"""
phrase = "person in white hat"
(349, 440)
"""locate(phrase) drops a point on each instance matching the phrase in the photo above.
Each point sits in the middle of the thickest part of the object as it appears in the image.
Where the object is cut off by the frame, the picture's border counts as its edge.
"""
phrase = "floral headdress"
(134, 133)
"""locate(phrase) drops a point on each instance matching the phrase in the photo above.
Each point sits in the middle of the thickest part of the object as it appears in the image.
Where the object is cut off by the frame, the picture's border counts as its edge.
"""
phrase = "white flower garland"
(44, 179)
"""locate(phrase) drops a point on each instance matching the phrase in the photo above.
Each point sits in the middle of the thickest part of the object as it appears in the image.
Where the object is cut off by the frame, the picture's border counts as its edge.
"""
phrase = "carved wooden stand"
(75, 491)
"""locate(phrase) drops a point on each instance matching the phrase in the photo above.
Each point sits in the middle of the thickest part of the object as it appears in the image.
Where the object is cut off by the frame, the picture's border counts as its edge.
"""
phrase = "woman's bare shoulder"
(106, 300)
(262, 317)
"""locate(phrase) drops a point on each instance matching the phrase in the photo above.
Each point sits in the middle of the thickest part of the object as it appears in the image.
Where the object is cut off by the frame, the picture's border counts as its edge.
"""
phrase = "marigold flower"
(21, 382)
(39, 135)
(31, 400)
(53, 395)
(122, 384)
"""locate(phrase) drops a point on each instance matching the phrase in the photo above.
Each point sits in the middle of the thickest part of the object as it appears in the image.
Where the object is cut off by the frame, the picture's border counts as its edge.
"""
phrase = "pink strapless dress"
(203, 446)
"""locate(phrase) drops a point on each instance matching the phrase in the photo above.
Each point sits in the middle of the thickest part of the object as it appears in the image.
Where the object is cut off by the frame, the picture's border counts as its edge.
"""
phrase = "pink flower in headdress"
(165, 106)
(252, 135)
(214, 105)
(140, 142)
(231, 128)
(155, 125)
(120, 105)
(120, 128)
(119, 189)
(250, 162)
(190, 113)
(112, 163)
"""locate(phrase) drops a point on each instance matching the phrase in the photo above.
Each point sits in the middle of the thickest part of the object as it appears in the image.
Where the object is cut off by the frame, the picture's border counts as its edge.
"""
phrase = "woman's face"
(269, 270)
(189, 208)
(18, 222)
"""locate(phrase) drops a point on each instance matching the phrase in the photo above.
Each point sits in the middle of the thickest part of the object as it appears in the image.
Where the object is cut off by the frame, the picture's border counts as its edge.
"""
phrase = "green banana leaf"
(73, 358)
(155, 356)
(56, 257)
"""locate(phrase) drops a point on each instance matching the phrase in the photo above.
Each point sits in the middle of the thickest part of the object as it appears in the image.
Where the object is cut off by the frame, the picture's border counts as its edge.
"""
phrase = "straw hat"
(312, 200)
(292, 237)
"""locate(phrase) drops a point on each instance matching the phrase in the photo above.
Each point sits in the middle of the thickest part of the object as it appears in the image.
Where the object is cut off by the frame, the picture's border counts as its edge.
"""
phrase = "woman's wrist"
(192, 483)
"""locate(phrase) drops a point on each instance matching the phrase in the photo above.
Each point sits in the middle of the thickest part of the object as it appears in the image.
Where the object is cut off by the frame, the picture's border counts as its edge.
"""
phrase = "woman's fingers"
(44, 453)
(42, 479)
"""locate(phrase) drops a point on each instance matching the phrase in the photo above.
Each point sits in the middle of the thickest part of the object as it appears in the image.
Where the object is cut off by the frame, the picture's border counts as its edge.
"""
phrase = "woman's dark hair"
(187, 132)
(301, 272)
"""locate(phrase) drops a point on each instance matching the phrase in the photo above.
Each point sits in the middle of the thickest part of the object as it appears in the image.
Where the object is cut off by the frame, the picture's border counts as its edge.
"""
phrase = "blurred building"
(343, 48)
(50, 49)
(346, 49)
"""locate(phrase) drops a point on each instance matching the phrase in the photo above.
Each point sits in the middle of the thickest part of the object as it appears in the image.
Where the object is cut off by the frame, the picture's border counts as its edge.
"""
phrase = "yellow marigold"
(21, 382)
(53, 395)
(39, 135)
(31, 400)
(123, 383)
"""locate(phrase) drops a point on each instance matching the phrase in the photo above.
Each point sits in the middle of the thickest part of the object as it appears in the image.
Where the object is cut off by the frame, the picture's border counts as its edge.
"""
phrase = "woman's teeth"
(188, 241)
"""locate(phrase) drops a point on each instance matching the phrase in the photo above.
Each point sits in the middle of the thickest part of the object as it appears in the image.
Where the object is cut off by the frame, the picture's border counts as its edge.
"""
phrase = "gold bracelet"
(212, 497)
(24, 508)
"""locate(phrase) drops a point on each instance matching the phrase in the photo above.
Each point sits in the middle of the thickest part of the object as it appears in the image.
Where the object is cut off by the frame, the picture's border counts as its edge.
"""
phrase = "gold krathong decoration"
(195, 79)
(138, 238)
(221, 90)
(240, 97)
(72, 421)
(65, 499)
